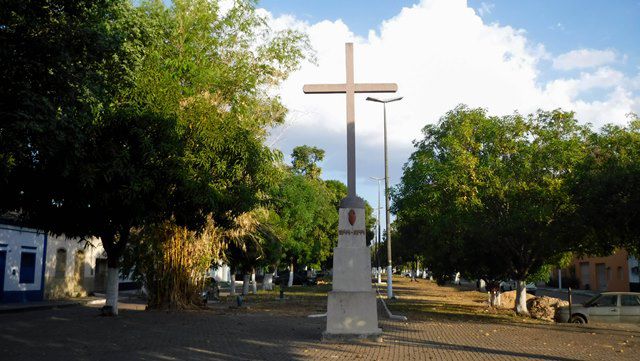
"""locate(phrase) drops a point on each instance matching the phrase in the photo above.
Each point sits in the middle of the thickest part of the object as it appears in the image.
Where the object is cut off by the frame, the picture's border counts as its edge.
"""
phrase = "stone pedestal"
(351, 305)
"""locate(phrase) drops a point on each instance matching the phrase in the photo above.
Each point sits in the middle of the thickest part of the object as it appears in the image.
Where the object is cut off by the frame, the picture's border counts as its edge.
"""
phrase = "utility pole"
(386, 195)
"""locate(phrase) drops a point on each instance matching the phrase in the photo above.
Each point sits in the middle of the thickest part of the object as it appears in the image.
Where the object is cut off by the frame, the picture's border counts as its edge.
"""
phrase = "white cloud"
(584, 58)
(441, 54)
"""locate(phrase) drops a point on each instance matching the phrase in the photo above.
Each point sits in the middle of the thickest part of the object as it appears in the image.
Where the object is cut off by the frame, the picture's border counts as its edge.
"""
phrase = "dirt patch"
(425, 300)
(542, 308)
(545, 307)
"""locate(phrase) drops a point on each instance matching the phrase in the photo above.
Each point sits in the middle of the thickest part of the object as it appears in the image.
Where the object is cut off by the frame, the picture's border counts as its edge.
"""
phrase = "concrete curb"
(31, 307)
(47, 305)
(575, 292)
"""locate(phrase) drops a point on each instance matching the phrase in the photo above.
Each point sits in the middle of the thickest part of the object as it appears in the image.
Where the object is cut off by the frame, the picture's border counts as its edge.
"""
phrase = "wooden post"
(570, 312)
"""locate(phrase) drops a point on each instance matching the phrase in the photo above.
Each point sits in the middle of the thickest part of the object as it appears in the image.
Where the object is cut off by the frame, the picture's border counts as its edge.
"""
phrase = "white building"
(22, 252)
(35, 266)
(74, 268)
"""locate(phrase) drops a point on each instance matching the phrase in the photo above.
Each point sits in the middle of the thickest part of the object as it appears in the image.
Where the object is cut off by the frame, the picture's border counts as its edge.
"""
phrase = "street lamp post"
(386, 194)
(379, 270)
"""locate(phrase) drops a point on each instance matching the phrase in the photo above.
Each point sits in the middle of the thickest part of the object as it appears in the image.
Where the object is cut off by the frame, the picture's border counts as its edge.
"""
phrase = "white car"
(605, 307)
(510, 285)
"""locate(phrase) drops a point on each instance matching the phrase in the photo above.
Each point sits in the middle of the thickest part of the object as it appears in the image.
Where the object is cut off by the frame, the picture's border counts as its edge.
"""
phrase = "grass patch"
(299, 301)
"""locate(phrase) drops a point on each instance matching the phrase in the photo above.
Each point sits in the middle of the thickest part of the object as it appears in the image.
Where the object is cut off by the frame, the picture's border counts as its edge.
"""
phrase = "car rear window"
(630, 300)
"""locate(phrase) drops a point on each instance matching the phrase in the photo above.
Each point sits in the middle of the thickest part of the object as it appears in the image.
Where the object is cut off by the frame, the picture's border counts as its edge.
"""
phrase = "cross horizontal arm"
(324, 88)
(342, 88)
(376, 88)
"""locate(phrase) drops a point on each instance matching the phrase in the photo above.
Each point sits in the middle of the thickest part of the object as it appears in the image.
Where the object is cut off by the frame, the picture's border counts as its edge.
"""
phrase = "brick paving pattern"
(80, 334)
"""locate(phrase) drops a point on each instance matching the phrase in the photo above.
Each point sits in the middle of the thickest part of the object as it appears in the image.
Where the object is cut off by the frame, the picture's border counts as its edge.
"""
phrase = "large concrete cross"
(350, 88)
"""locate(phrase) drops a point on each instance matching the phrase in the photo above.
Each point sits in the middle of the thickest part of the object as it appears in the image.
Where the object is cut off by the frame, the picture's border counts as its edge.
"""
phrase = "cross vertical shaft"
(351, 123)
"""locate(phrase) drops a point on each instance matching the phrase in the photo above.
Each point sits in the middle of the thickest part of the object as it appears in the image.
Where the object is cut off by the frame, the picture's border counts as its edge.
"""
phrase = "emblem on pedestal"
(352, 217)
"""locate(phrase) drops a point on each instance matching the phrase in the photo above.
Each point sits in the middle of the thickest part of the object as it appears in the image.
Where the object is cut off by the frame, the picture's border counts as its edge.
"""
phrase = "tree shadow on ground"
(79, 333)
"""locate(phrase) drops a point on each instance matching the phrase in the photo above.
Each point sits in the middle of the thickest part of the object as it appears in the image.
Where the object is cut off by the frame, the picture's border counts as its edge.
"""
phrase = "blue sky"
(585, 22)
(560, 25)
(504, 56)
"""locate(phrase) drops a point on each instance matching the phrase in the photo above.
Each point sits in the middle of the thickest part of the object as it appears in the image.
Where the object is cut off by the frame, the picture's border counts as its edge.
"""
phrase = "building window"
(620, 273)
(61, 263)
(27, 267)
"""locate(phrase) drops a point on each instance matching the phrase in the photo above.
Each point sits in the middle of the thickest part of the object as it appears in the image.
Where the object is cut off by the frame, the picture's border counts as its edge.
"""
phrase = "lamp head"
(384, 101)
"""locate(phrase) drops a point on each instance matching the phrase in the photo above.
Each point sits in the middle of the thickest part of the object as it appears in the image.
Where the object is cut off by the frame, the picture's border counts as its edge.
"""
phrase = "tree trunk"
(267, 283)
(245, 284)
(495, 298)
(290, 283)
(493, 289)
(112, 289)
(521, 298)
(114, 251)
(254, 286)
(232, 281)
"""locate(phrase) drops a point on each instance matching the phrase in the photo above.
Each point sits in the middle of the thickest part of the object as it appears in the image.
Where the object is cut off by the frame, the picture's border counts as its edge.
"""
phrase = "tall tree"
(132, 167)
(214, 71)
(606, 188)
(179, 98)
(491, 192)
(70, 151)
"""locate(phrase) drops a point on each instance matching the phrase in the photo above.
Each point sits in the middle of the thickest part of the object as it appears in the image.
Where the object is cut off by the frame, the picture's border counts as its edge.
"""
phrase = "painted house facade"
(617, 272)
(22, 261)
(35, 266)
(74, 268)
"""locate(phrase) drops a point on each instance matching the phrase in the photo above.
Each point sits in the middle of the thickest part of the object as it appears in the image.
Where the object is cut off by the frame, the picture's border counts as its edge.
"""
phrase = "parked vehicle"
(305, 278)
(211, 291)
(511, 285)
(609, 307)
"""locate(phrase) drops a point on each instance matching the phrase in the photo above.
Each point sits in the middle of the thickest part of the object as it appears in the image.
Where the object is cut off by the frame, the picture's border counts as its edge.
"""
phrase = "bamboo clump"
(177, 264)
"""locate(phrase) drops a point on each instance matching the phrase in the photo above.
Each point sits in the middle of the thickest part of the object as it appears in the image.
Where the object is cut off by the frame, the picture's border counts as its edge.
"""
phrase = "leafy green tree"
(215, 71)
(63, 63)
(488, 195)
(73, 160)
(305, 161)
(305, 210)
(179, 99)
(605, 187)
(132, 168)
(308, 210)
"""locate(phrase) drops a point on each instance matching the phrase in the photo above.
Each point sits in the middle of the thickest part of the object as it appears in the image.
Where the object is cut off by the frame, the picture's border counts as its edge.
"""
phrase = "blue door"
(3, 261)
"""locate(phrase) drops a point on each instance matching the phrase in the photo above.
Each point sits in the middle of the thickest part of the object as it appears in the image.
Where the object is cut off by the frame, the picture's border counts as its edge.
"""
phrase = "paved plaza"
(273, 333)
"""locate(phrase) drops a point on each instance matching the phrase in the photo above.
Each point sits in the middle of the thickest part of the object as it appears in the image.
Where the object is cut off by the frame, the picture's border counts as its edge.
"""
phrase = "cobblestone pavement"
(78, 333)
